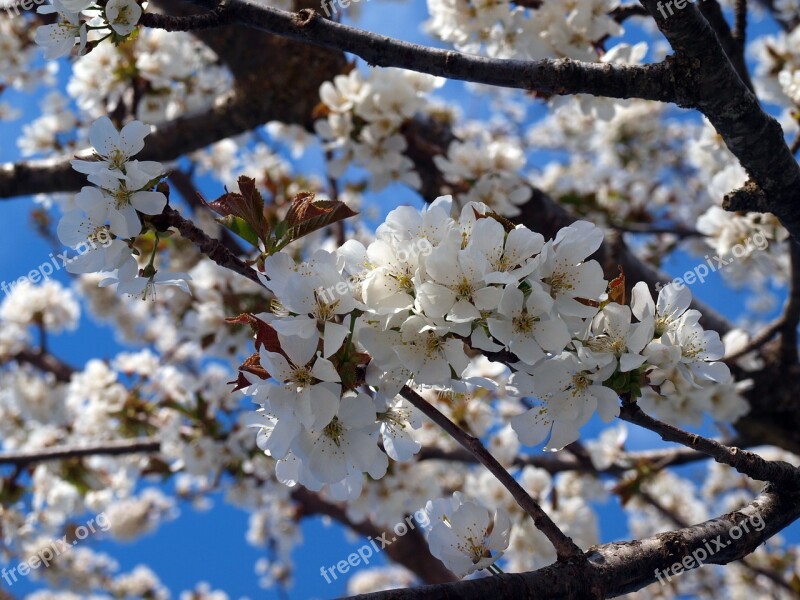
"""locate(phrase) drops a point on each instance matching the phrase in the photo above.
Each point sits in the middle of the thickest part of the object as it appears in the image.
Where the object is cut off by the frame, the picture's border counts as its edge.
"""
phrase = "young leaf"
(240, 227)
(266, 336)
(307, 215)
(247, 206)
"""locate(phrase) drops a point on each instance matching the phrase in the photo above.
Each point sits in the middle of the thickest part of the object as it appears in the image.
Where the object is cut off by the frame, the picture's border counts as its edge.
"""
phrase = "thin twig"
(680, 231)
(764, 336)
(182, 181)
(622, 13)
(116, 448)
(566, 549)
(46, 362)
(212, 248)
(780, 473)
(795, 144)
(555, 463)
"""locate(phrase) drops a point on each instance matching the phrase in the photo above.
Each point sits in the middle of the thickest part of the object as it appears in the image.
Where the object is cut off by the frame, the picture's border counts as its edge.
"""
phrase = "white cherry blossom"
(469, 538)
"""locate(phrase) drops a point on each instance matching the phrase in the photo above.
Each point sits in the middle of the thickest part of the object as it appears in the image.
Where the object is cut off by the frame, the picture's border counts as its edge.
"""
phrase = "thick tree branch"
(214, 18)
(732, 45)
(791, 314)
(753, 136)
(566, 549)
(649, 82)
(621, 567)
(673, 516)
(267, 89)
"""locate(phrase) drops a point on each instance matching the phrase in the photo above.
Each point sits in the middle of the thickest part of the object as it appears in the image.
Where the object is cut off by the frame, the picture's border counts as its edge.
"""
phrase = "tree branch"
(566, 549)
(562, 77)
(115, 448)
(740, 26)
(266, 89)
(733, 46)
(764, 336)
(555, 463)
(791, 314)
(780, 473)
(48, 363)
(621, 567)
(753, 136)
(213, 249)
(183, 183)
(410, 550)
(214, 18)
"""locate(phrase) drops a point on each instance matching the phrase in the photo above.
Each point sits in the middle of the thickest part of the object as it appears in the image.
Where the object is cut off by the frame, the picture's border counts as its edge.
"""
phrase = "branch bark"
(48, 363)
(213, 249)
(621, 567)
(753, 136)
(115, 448)
(780, 473)
(566, 549)
(410, 550)
(564, 76)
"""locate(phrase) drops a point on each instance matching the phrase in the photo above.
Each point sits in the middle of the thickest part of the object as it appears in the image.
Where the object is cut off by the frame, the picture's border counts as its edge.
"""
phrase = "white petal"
(149, 203)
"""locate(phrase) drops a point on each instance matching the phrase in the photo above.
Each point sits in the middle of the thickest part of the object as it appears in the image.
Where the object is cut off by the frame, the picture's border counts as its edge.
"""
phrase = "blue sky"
(210, 545)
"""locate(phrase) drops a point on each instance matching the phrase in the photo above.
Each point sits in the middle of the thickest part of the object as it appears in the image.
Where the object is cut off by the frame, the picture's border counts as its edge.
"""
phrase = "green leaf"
(240, 227)
(281, 229)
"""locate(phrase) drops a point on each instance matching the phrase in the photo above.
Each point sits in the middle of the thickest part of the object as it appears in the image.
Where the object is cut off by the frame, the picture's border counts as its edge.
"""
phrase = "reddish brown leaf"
(302, 209)
(253, 365)
(307, 215)
(266, 336)
(247, 205)
(320, 111)
(240, 383)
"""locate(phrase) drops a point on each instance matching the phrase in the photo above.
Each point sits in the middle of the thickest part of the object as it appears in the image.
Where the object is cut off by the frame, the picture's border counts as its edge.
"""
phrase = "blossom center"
(524, 323)
(334, 430)
(433, 344)
(302, 377)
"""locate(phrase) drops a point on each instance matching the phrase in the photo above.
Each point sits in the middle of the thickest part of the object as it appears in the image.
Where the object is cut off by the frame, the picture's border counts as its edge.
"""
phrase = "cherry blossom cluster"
(84, 21)
(20, 63)
(365, 114)
(491, 167)
(502, 29)
(109, 209)
(176, 73)
(428, 289)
